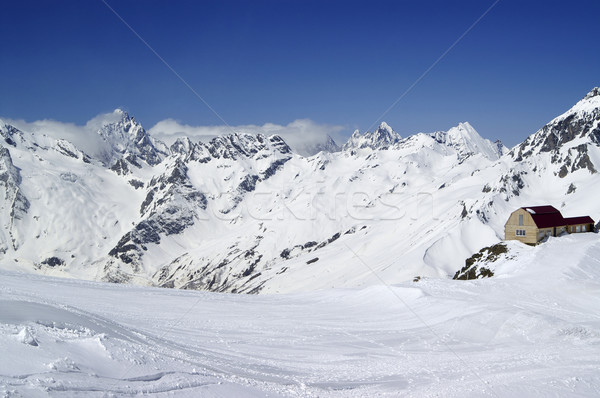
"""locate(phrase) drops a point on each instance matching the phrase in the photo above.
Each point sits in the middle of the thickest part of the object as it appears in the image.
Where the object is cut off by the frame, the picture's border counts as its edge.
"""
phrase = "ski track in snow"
(531, 330)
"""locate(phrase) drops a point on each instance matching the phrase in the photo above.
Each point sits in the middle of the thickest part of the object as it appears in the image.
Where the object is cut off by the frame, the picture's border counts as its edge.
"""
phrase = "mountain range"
(248, 214)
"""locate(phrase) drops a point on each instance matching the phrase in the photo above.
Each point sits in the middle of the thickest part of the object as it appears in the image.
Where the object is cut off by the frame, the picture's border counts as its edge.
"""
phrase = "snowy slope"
(467, 142)
(244, 213)
(532, 330)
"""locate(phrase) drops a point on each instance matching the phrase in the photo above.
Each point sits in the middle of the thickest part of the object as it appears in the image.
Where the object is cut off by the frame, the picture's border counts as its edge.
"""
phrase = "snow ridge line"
(420, 319)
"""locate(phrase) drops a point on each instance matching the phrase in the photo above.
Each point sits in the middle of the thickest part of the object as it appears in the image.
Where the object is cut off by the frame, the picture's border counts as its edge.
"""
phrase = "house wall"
(572, 229)
(512, 225)
(543, 232)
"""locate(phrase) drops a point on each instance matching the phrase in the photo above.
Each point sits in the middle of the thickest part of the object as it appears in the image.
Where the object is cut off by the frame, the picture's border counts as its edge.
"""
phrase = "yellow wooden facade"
(521, 220)
(521, 226)
(575, 228)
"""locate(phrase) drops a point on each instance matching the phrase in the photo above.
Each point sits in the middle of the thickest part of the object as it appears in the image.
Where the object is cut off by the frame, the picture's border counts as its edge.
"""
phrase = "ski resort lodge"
(532, 224)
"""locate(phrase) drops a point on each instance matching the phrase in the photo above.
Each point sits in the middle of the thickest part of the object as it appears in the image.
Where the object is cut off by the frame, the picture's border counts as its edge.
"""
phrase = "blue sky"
(335, 63)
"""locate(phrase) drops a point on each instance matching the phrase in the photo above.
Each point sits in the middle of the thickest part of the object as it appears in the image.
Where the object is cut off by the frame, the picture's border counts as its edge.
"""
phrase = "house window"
(520, 219)
(578, 228)
(584, 228)
(520, 232)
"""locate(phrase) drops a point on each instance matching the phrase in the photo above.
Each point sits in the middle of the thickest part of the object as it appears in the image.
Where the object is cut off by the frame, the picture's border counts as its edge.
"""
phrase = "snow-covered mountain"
(463, 140)
(128, 141)
(382, 138)
(245, 213)
(567, 138)
(312, 148)
(466, 141)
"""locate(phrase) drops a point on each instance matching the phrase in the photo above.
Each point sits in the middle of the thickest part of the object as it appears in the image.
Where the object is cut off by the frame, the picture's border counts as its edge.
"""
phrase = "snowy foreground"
(531, 330)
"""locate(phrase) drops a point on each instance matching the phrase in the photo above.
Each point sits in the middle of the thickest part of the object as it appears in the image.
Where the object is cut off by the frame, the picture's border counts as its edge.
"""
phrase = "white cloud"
(84, 137)
(298, 134)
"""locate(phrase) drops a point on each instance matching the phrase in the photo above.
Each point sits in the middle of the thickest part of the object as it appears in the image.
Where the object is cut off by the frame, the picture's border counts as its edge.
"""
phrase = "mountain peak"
(467, 141)
(464, 131)
(128, 137)
(383, 126)
(589, 103)
(382, 138)
(384, 130)
(581, 121)
(594, 93)
(466, 126)
(236, 145)
(122, 115)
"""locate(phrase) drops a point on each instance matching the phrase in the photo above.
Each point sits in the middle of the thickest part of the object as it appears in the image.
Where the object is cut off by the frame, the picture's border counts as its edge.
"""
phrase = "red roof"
(548, 220)
(579, 220)
(549, 216)
(542, 209)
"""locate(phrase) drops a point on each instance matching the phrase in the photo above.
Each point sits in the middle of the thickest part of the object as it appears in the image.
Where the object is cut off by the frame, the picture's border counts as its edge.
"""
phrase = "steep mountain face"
(556, 164)
(171, 205)
(382, 138)
(466, 141)
(179, 197)
(244, 213)
(581, 121)
(567, 138)
(13, 204)
(129, 144)
(10, 134)
(463, 140)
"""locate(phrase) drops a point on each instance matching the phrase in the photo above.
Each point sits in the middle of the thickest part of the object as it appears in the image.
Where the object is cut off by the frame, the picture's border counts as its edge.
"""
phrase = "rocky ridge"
(244, 213)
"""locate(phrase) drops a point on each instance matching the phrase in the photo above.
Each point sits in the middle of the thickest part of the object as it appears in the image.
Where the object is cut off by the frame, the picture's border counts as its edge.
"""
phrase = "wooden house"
(532, 224)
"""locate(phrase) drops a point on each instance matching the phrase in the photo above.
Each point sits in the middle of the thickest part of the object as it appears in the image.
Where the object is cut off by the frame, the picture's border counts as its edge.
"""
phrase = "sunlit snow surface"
(531, 330)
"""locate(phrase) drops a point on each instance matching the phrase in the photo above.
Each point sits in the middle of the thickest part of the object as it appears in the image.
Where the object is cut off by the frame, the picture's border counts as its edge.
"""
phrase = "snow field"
(532, 330)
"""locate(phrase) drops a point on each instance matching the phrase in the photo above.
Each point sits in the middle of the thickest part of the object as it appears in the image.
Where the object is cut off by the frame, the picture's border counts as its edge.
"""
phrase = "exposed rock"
(234, 146)
(120, 167)
(382, 138)
(67, 149)
(171, 205)
(10, 134)
(562, 173)
(273, 167)
(13, 202)
(474, 266)
(186, 272)
(53, 262)
(137, 184)
(128, 139)
(583, 120)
